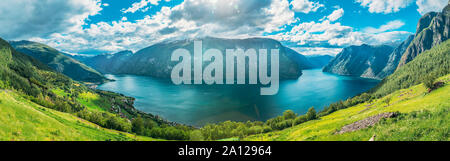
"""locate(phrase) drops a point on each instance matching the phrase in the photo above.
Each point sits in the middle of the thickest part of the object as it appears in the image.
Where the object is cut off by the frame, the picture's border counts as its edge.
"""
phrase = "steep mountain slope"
(155, 60)
(434, 62)
(319, 61)
(433, 28)
(58, 61)
(394, 58)
(363, 61)
(109, 63)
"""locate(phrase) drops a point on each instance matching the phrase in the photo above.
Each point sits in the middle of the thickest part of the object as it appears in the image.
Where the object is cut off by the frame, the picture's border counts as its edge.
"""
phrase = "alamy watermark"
(214, 73)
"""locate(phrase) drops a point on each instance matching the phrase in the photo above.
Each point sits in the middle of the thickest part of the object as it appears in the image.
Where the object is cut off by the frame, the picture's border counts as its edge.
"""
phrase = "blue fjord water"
(200, 104)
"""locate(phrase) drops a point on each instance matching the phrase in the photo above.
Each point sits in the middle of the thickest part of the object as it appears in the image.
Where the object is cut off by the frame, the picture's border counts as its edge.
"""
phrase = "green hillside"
(22, 119)
(32, 81)
(423, 116)
(432, 63)
(410, 92)
(58, 61)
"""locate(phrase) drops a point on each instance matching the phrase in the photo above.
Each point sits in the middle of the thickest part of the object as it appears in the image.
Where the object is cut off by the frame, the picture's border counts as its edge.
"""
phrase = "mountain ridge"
(58, 61)
(432, 29)
(362, 61)
(155, 60)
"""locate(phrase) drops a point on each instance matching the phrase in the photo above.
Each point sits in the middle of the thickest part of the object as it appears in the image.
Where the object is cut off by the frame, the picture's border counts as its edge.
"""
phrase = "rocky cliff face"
(155, 60)
(362, 61)
(433, 28)
(394, 58)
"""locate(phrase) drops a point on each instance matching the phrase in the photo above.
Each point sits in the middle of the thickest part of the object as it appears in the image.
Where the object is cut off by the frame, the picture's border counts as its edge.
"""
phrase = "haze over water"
(200, 104)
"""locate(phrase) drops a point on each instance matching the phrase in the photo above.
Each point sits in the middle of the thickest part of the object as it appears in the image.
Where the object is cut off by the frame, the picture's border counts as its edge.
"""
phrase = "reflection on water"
(201, 104)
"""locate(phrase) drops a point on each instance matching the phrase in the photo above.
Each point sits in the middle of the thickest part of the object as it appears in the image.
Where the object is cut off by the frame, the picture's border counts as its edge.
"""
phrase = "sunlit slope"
(21, 119)
(423, 116)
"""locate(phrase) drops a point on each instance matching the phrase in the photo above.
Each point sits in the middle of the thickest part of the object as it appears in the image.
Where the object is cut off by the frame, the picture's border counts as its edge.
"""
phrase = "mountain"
(319, 61)
(434, 62)
(108, 63)
(363, 61)
(58, 61)
(31, 89)
(433, 28)
(155, 60)
(394, 58)
(398, 109)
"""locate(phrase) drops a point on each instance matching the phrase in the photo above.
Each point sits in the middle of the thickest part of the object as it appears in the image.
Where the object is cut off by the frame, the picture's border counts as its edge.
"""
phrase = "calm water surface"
(201, 104)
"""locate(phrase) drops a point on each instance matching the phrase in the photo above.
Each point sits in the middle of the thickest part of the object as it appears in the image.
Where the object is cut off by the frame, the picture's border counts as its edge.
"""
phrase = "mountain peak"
(446, 10)
(433, 28)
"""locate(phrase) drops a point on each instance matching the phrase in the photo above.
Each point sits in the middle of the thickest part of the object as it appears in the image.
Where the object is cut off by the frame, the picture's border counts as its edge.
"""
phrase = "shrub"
(289, 114)
(311, 114)
(429, 81)
(196, 135)
(300, 119)
(138, 125)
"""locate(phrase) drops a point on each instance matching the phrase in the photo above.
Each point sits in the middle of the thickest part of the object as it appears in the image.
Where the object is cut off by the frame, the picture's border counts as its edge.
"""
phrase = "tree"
(388, 100)
(429, 81)
(311, 114)
(138, 125)
(196, 135)
(289, 114)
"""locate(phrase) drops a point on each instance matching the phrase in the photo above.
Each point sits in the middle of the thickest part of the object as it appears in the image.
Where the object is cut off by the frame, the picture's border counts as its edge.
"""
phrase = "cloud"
(384, 6)
(190, 19)
(336, 14)
(317, 50)
(22, 19)
(392, 25)
(305, 6)
(141, 5)
(425, 6)
(329, 34)
(234, 17)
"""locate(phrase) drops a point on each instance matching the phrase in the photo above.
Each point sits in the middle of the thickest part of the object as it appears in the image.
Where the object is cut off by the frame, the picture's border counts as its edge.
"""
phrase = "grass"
(424, 116)
(93, 101)
(22, 120)
(60, 92)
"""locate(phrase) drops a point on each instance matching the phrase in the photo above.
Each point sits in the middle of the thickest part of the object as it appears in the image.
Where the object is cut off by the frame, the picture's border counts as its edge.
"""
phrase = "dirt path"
(370, 121)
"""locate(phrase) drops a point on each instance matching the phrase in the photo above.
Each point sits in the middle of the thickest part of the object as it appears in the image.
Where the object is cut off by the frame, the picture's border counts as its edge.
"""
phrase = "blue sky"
(308, 26)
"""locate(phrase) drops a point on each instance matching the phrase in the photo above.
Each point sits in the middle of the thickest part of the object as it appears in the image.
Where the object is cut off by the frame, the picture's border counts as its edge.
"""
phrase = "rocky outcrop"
(433, 28)
(362, 61)
(370, 121)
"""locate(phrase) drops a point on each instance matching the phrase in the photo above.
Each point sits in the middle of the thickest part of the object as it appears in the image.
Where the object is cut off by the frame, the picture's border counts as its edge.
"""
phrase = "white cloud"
(105, 4)
(141, 5)
(336, 14)
(305, 6)
(234, 17)
(384, 6)
(22, 19)
(326, 33)
(425, 6)
(190, 19)
(317, 50)
(391, 25)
